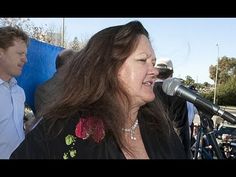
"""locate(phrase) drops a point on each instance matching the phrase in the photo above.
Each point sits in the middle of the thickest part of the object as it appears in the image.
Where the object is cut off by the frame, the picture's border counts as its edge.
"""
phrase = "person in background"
(13, 50)
(175, 107)
(106, 110)
(46, 93)
(192, 112)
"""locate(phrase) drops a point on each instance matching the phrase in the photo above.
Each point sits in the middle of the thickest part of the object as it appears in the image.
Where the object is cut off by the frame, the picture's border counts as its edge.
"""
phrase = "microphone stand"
(207, 128)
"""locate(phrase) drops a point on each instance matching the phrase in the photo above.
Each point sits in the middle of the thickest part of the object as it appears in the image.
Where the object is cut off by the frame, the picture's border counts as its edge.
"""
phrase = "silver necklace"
(131, 130)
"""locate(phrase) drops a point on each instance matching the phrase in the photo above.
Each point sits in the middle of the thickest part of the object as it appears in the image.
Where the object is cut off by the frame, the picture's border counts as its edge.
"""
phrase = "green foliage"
(209, 96)
(206, 84)
(189, 80)
(77, 44)
(227, 93)
(226, 69)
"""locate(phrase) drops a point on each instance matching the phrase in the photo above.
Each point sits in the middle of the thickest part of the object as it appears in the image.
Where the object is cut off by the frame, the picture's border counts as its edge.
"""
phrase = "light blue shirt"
(12, 99)
(192, 110)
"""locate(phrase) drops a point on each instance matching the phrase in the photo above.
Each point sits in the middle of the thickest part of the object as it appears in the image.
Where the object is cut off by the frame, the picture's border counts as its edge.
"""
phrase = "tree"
(43, 33)
(189, 80)
(76, 44)
(226, 69)
(227, 94)
(24, 23)
(206, 84)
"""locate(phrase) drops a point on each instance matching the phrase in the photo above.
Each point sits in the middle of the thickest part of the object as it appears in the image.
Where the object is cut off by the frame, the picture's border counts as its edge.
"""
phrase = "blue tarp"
(39, 68)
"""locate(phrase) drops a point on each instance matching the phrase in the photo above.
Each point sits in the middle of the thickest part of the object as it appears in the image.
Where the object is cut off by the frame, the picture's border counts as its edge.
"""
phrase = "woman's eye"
(143, 60)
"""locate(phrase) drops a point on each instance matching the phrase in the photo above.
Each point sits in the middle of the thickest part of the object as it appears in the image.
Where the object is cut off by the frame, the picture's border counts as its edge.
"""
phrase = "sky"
(191, 43)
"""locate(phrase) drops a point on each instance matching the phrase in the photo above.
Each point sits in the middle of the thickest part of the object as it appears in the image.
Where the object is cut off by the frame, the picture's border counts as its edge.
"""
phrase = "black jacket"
(176, 108)
(38, 145)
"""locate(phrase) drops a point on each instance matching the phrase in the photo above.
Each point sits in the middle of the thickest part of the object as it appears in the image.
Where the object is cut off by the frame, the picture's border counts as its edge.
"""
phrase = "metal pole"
(63, 32)
(216, 79)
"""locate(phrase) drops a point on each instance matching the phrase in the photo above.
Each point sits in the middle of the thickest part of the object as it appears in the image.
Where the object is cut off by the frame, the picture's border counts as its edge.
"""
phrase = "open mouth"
(148, 83)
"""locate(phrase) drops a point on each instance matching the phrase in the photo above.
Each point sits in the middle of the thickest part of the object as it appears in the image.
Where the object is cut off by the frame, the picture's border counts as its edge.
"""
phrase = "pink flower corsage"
(90, 126)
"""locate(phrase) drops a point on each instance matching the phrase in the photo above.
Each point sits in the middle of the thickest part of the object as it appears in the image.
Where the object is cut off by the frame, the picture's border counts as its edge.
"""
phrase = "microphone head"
(170, 86)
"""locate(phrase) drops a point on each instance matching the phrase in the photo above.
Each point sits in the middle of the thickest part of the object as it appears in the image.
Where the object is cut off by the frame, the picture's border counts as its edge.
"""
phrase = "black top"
(38, 145)
(176, 108)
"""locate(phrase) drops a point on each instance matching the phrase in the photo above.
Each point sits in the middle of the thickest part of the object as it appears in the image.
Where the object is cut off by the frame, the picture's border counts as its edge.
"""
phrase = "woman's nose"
(154, 71)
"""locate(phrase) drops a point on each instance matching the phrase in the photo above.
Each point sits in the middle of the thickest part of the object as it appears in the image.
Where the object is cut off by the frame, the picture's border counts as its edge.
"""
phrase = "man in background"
(13, 50)
(192, 112)
(43, 94)
(46, 93)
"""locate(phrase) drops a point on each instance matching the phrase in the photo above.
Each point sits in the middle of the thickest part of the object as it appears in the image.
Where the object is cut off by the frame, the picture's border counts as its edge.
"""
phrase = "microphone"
(173, 86)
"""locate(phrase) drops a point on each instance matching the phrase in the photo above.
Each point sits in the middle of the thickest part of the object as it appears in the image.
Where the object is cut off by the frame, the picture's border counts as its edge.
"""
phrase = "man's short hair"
(64, 56)
(164, 73)
(9, 34)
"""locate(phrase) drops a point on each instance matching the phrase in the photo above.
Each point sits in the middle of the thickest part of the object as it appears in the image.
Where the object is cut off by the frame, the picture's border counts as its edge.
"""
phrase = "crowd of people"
(104, 101)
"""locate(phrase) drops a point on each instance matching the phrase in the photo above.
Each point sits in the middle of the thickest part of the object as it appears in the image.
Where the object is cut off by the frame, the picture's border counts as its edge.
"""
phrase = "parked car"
(226, 138)
(225, 131)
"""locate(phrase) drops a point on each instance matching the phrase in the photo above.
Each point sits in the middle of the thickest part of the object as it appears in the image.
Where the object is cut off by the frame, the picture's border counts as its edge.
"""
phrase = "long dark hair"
(91, 83)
